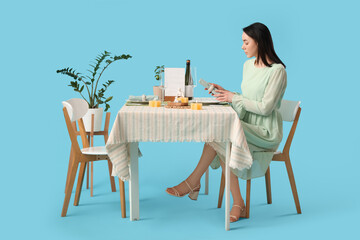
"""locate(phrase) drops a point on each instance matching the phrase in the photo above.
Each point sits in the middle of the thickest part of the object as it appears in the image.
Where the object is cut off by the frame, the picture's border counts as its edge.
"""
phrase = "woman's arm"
(274, 91)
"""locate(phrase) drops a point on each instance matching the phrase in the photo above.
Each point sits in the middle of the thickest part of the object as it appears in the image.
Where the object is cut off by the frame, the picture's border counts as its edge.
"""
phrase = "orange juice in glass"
(154, 103)
(184, 100)
(196, 106)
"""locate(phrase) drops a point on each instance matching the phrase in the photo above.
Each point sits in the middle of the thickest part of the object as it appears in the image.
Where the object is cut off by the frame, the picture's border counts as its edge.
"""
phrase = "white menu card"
(174, 79)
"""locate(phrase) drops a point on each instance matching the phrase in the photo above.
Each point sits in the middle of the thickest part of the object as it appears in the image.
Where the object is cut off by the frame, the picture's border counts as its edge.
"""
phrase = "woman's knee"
(209, 149)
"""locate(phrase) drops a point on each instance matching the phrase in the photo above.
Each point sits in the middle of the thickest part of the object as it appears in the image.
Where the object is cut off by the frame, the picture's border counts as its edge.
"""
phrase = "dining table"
(137, 123)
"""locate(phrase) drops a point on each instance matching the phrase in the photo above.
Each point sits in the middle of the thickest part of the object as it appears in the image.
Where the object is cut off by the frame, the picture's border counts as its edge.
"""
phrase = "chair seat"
(277, 152)
(101, 150)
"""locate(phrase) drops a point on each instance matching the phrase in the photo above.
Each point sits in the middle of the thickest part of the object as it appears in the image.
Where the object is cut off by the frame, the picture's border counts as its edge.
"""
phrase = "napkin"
(140, 98)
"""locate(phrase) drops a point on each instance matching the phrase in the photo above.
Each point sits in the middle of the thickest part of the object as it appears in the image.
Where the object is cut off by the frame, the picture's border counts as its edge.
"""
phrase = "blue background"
(317, 40)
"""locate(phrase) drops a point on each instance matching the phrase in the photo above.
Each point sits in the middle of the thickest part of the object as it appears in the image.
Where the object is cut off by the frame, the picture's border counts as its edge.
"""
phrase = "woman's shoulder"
(278, 66)
(278, 71)
(249, 62)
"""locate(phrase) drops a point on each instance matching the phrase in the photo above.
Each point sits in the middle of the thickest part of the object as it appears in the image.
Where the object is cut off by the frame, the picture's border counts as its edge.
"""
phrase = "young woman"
(263, 86)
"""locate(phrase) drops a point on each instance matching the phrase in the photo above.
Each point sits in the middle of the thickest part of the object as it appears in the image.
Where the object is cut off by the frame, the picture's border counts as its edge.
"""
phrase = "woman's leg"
(193, 180)
(234, 187)
(207, 157)
(235, 193)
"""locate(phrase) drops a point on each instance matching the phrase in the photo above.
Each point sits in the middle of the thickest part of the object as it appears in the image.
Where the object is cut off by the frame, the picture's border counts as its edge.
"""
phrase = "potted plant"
(95, 93)
(158, 90)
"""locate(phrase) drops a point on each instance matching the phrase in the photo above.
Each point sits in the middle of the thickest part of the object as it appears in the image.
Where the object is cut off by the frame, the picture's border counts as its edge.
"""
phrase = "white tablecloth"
(147, 124)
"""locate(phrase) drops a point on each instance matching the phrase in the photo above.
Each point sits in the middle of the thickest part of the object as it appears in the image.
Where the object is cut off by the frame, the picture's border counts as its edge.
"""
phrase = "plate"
(135, 101)
(206, 100)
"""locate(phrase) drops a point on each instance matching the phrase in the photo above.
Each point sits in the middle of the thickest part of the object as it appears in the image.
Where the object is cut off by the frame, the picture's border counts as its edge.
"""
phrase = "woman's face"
(249, 46)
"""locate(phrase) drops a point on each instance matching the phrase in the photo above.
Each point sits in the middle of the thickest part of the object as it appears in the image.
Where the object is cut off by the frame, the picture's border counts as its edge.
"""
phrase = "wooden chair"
(290, 112)
(74, 109)
(90, 173)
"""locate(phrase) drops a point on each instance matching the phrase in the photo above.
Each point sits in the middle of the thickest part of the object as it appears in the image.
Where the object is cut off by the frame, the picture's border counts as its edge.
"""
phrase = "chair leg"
(80, 183)
(73, 171)
(248, 186)
(88, 165)
(221, 191)
(87, 175)
(122, 198)
(292, 184)
(268, 186)
(112, 179)
(92, 179)
(71, 160)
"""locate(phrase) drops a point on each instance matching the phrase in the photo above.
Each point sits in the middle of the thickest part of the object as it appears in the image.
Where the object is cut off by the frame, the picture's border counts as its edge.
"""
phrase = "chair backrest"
(290, 112)
(74, 109)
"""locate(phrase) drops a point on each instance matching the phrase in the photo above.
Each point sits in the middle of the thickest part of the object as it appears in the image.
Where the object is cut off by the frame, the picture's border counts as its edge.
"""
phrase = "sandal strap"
(191, 190)
(241, 208)
(175, 191)
(242, 211)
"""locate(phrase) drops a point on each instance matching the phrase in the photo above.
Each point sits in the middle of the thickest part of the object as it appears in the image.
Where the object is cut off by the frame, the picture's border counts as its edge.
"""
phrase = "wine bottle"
(188, 81)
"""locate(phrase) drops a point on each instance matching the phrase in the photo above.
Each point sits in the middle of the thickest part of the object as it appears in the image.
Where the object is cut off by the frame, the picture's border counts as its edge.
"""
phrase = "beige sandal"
(193, 192)
(242, 214)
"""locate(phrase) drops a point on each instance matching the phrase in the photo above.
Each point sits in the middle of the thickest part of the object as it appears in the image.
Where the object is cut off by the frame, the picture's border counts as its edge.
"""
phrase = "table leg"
(227, 187)
(207, 182)
(134, 182)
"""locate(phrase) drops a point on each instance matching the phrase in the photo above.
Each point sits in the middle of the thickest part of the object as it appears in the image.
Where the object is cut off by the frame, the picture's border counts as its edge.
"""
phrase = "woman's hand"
(216, 86)
(224, 95)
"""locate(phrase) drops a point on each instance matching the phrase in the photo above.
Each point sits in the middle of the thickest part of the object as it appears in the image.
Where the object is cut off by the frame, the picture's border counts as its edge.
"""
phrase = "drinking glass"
(162, 86)
(193, 71)
(193, 75)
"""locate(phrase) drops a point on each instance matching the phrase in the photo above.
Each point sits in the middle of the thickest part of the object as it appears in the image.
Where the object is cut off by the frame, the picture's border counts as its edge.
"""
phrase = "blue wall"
(317, 40)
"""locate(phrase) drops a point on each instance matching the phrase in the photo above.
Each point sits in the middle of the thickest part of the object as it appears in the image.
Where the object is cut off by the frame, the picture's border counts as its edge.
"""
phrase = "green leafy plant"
(158, 70)
(95, 96)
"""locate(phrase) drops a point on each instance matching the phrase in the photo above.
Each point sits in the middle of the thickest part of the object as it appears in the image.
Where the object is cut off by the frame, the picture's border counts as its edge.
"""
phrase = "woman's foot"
(185, 188)
(237, 211)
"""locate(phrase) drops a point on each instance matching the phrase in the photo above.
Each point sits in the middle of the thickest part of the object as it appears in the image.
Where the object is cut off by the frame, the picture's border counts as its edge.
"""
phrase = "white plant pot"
(189, 91)
(98, 115)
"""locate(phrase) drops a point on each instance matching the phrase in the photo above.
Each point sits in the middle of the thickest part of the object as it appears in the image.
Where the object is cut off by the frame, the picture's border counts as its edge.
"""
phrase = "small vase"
(98, 114)
(158, 91)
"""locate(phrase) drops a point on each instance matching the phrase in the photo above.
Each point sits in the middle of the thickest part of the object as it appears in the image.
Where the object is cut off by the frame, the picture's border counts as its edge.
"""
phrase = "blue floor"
(162, 216)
